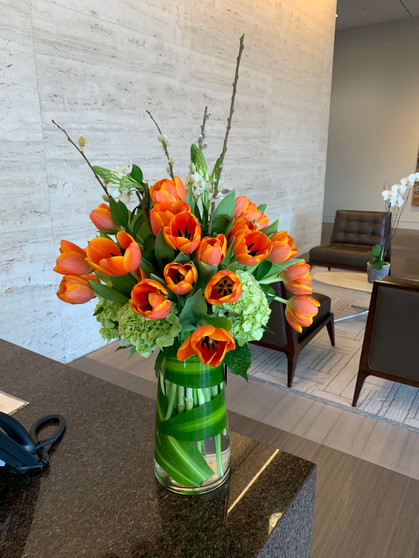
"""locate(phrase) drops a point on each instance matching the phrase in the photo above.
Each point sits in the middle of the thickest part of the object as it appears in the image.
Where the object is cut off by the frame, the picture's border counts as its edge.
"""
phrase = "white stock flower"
(124, 170)
(119, 193)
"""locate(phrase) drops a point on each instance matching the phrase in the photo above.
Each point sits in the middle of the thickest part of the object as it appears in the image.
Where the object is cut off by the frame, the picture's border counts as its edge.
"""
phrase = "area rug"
(328, 374)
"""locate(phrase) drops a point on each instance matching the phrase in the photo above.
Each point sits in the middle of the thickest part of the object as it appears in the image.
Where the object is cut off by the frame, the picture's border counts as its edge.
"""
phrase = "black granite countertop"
(98, 497)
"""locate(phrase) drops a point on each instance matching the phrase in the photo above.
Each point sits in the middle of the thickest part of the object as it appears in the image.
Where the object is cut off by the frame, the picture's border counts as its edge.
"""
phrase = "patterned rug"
(328, 374)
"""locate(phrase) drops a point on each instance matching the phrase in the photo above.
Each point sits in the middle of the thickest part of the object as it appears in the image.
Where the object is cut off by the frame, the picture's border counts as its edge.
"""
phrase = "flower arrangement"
(394, 199)
(187, 272)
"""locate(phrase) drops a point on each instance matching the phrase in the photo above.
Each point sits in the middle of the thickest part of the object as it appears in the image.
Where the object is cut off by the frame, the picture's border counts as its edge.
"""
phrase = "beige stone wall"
(95, 67)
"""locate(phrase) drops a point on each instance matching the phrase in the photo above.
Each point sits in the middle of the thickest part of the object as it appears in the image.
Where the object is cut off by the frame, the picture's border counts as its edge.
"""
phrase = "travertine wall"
(95, 67)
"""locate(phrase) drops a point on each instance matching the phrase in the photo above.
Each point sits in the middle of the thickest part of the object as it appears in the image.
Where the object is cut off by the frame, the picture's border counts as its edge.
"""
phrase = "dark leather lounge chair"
(286, 339)
(391, 346)
(354, 234)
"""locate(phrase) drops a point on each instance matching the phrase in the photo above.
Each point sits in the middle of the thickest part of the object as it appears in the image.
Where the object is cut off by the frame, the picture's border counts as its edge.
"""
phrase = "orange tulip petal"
(185, 350)
(72, 263)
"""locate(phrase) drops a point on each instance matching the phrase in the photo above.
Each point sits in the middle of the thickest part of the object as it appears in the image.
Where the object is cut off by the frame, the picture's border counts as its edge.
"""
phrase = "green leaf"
(182, 258)
(147, 264)
(217, 321)
(124, 283)
(195, 307)
(181, 460)
(239, 360)
(205, 272)
(220, 224)
(263, 269)
(269, 292)
(376, 250)
(119, 212)
(271, 229)
(193, 373)
(163, 252)
(136, 174)
(199, 423)
(107, 292)
(160, 359)
(262, 207)
(136, 222)
(98, 311)
(226, 206)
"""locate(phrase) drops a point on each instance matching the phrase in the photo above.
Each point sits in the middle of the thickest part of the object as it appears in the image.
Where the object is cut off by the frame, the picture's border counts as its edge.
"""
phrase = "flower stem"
(83, 155)
(171, 389)
(164, 144)
(219, 456)
(223, 152)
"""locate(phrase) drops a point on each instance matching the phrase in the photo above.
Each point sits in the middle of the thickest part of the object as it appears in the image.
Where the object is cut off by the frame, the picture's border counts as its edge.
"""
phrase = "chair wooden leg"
(331, 331)
(359, 383)
(292, 363)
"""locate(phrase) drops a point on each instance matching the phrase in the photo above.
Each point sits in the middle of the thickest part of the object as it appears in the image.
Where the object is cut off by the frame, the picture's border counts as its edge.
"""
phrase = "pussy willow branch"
(229, 119)
(83, 155)
(204, 121)
(164, 145)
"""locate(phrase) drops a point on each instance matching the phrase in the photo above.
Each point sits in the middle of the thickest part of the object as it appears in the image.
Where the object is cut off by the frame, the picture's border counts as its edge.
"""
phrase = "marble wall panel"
(96, 68)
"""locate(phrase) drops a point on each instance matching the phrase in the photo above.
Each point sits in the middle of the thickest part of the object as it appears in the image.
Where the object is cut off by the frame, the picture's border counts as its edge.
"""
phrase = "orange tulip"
(224, 286)
(300, 311)
(105, 256)
(72, 260)
(209, 343)
(102, 219)
(164, 211)
(283, 248)
(168, 190)
(212, 250)
(149, 299)
(297, 278)
(241, 225)
(183, 233)
(252, 248)
(76, 289)
(180, 278)
(248, 210)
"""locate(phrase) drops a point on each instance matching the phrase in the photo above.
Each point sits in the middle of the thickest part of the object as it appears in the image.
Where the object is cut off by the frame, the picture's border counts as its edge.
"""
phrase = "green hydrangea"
(107, 317)
(249, 314)
(146, 335)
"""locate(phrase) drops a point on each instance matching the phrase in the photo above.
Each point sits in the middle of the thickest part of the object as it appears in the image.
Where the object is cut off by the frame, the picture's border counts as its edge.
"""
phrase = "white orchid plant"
(395, 200)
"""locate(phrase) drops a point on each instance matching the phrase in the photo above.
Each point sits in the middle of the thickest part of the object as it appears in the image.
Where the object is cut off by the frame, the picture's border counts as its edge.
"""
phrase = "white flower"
(398, 188)
(124, 170)
(119, 193)
(396, 200)
(386, 194)
(404, 180)
(412, 179)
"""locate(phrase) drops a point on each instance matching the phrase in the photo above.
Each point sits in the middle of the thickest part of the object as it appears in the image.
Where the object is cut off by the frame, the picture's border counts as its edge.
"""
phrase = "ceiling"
(354, 13)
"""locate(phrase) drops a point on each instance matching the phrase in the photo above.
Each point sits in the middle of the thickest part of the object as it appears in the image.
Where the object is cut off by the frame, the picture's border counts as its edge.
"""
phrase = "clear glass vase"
(192, 447)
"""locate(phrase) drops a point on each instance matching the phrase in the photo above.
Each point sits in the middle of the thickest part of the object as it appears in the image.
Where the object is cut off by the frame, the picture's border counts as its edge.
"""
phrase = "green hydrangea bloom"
(146, 335)
(108, 318)
(249, 314)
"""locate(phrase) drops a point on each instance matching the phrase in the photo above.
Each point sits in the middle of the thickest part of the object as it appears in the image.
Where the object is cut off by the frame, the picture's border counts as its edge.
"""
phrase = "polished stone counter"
(98, 497)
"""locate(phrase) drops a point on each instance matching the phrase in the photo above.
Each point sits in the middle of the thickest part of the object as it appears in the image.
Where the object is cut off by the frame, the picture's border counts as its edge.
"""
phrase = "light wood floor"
(367, 498)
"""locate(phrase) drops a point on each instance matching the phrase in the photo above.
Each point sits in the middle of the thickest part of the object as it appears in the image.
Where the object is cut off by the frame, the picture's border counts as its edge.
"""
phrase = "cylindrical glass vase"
(192, 447)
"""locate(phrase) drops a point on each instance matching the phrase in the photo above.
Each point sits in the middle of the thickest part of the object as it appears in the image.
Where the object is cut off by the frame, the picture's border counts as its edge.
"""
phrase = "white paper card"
(10, 404)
